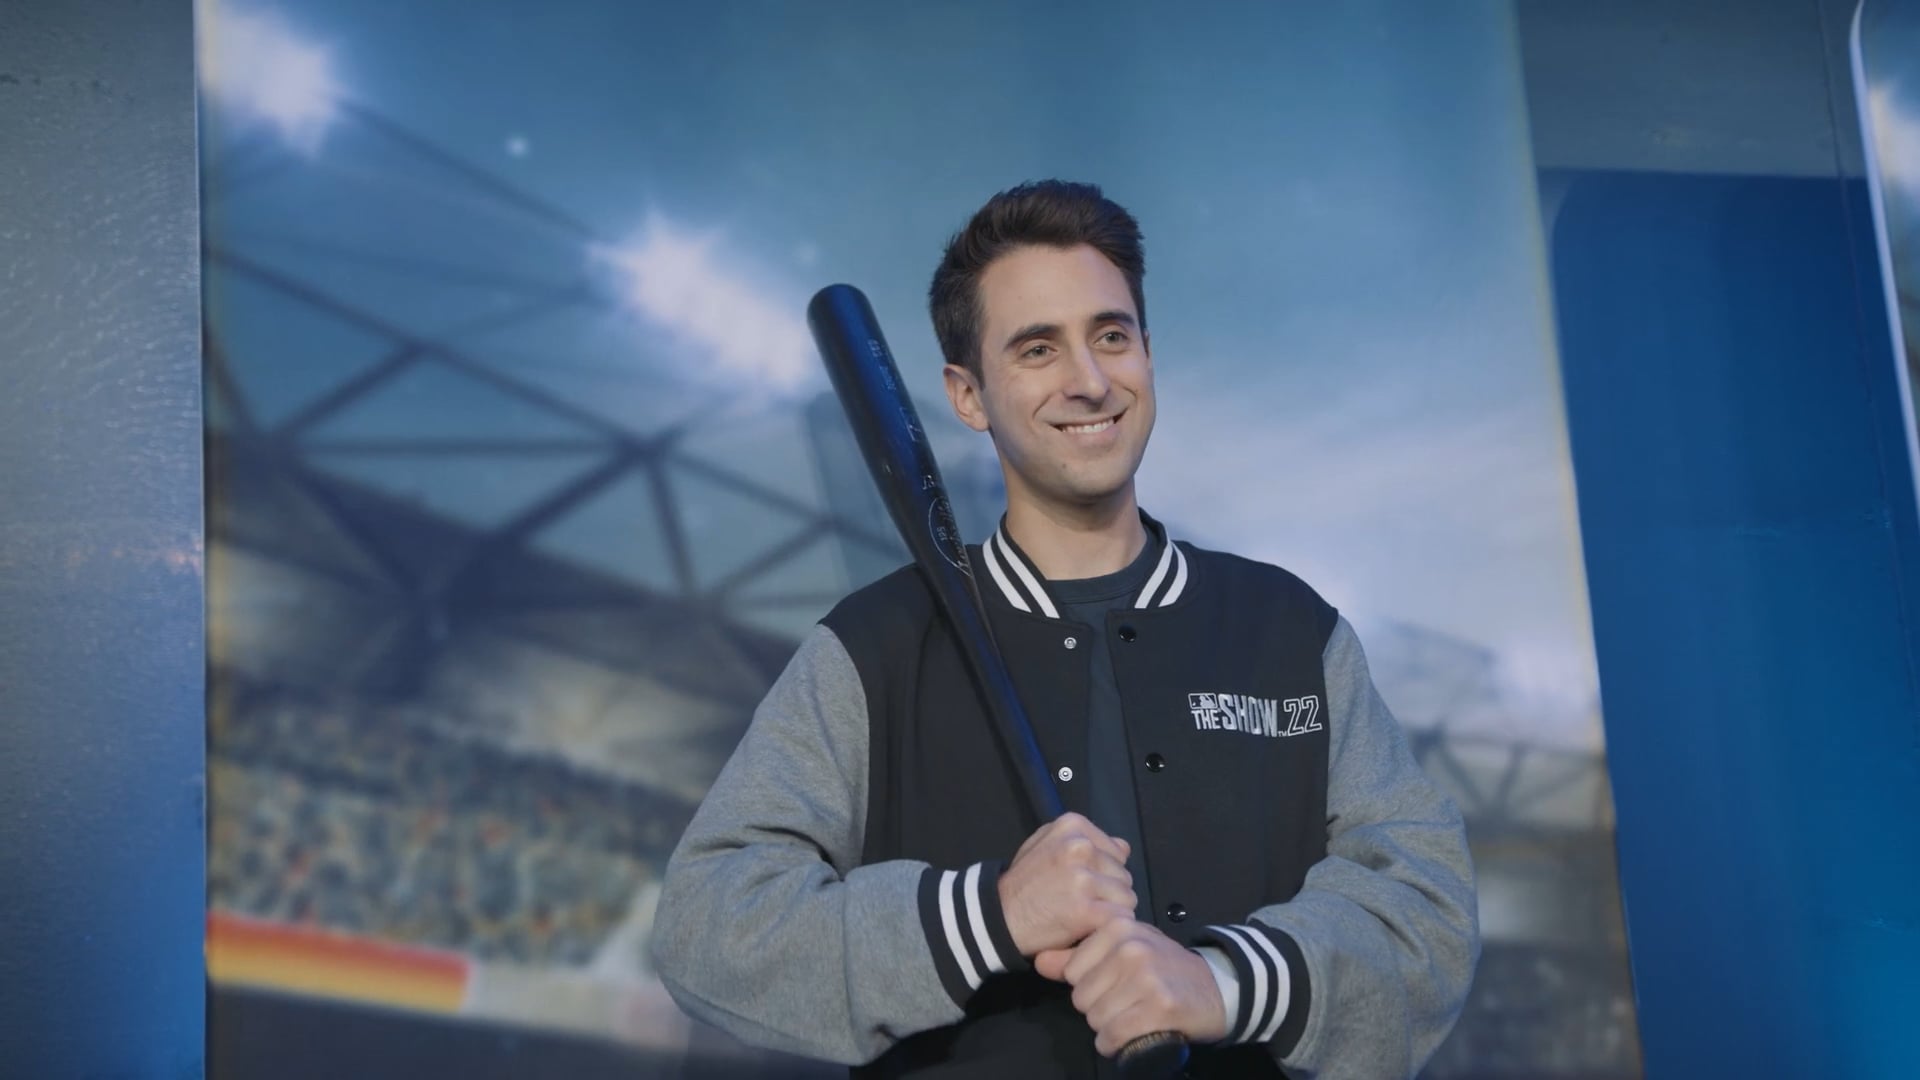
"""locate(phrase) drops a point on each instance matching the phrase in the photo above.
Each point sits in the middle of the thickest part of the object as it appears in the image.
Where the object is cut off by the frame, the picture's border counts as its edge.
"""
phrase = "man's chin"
(1092, 495)
(1076, 489)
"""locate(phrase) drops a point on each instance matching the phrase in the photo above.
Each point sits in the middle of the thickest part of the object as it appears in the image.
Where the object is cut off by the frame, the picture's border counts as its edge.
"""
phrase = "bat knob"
(1159, 1056)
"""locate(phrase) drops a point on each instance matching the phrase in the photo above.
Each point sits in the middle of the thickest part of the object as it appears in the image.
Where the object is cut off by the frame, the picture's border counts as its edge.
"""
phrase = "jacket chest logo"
(1273, 718)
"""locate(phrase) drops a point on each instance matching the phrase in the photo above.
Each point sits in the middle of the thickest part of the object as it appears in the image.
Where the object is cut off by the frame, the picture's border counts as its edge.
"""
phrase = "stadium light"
(674, 279)
(253, 63)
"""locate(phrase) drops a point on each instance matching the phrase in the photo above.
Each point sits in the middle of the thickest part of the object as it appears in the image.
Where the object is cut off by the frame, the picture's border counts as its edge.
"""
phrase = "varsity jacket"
(835, 895)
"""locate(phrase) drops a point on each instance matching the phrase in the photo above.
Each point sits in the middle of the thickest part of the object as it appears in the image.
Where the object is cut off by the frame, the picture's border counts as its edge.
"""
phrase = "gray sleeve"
(1365, 970)
(769, 928)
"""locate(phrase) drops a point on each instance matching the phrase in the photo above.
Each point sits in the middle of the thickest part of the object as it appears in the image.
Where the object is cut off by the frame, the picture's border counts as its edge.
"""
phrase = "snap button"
(1065, 774)
(1155, 763)
(1177, 912)
(1070, 642)
(1127, 634)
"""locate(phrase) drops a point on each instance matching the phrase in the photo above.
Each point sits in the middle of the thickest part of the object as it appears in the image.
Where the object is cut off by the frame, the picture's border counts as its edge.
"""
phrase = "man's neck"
(1072, 543)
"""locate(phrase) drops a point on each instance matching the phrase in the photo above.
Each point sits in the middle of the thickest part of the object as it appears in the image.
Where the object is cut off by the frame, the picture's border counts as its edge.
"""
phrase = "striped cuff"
(960, 911)
(1273, 991)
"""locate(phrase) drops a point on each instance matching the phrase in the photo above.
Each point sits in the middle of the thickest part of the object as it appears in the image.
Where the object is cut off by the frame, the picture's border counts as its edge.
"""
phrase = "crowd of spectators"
(387, 823)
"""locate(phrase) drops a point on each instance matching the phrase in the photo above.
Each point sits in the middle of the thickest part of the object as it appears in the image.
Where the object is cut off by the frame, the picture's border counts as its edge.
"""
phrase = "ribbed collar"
(1021, 582)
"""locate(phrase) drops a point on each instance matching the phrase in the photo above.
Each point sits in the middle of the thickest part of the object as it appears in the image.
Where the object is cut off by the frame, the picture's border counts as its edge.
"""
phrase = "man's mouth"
(1093, 427)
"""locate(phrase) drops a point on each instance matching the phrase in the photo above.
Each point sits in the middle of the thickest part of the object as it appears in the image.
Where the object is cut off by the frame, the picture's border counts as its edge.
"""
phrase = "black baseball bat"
(898, 454)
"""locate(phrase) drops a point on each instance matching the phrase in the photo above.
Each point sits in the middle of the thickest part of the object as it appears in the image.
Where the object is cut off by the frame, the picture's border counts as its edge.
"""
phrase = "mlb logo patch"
(1255, 715)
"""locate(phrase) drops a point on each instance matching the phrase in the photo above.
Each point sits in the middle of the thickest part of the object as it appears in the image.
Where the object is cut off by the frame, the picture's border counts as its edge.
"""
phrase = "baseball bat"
(901, 459)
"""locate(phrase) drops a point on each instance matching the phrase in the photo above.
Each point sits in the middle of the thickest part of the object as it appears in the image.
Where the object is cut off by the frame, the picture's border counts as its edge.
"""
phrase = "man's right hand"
(1068, 880)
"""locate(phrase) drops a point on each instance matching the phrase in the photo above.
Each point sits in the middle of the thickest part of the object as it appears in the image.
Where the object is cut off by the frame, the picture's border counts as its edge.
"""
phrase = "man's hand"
(1068, 880)
(1129, 980)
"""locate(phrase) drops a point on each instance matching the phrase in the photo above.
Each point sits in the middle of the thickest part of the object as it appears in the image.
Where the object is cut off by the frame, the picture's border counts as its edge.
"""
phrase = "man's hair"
(1045, 213)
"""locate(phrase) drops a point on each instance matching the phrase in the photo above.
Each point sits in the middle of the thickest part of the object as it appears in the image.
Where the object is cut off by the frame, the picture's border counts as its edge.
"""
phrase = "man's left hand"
(1129, 979)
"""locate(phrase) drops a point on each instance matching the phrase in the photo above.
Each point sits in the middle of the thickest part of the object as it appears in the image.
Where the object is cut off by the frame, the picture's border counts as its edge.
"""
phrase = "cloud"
(254, 63)
(679, 281)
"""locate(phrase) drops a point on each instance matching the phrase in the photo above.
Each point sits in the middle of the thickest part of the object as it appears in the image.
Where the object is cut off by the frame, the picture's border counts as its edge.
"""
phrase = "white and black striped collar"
(1014, 575)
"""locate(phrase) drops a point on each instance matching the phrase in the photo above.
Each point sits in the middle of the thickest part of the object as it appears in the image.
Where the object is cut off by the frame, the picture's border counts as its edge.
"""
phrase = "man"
(1251, 857)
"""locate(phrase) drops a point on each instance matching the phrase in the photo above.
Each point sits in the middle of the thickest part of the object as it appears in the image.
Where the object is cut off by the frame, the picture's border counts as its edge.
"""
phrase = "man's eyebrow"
(1029, 331)
(1034, 330)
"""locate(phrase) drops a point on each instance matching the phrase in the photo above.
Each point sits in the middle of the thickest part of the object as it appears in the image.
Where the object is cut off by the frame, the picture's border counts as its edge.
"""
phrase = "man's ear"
(963, 392)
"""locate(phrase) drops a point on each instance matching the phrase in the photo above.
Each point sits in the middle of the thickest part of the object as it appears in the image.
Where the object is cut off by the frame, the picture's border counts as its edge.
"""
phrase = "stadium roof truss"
(287, 410)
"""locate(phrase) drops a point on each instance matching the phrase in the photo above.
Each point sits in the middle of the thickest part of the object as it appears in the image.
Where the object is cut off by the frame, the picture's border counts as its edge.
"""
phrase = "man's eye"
(1035, 352)
(1114, 337)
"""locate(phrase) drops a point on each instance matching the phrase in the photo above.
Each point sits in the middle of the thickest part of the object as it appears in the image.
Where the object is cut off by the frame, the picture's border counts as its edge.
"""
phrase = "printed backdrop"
(525, 480)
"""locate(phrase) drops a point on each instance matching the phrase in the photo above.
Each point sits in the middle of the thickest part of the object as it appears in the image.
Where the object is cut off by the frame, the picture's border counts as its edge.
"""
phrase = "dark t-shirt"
(1111, 803)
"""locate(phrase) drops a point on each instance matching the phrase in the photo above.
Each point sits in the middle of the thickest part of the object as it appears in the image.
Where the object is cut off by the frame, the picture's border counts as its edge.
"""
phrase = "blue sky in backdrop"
(1346, 286)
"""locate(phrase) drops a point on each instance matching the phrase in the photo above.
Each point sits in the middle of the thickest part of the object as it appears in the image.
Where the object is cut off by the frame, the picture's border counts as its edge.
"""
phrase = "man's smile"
(1091, 427)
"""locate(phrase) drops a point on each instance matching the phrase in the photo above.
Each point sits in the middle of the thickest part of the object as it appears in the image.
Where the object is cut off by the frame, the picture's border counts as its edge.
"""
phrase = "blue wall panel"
(102, 640)
(1747, 514)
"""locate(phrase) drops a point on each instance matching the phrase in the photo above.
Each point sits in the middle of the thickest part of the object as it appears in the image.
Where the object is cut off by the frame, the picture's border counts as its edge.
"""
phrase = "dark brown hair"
(1047, 213)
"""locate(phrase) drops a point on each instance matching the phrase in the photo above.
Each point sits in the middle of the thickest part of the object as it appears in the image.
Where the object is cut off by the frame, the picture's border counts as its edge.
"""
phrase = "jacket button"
(1155, 763)
(1071, 642)
(1065, 774)
(1127, 633)
(1176, 912)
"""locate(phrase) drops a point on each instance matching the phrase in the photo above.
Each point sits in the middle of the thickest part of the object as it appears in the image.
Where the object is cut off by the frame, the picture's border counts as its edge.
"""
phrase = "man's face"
(1066, 383)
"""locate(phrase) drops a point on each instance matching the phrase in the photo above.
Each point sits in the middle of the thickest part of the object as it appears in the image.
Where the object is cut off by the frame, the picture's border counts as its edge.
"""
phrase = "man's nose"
(1088, 379)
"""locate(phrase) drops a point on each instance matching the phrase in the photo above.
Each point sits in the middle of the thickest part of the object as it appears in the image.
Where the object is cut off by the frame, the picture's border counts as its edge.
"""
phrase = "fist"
(1068, 880)
(1129, 980)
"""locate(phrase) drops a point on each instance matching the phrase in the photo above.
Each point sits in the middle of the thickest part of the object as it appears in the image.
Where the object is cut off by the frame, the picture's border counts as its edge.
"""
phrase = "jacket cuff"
(1273, 988)
(966, 928)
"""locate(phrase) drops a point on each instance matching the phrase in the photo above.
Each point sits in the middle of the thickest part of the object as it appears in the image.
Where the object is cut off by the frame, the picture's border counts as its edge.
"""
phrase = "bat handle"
(1159, 1056)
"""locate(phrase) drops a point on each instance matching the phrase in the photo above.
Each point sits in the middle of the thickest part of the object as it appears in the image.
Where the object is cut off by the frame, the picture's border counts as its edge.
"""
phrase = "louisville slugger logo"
(946, 534)
(1271, 717)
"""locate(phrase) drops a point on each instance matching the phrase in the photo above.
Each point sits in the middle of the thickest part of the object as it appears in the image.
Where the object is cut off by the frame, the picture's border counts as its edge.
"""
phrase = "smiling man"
(1251, 856)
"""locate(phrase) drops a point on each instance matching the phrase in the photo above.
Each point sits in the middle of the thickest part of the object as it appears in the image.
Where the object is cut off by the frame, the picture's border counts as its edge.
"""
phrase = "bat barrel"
(897, 452)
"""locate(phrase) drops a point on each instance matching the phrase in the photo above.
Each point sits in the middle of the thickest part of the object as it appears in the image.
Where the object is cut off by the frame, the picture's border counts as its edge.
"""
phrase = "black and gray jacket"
(834, 896)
